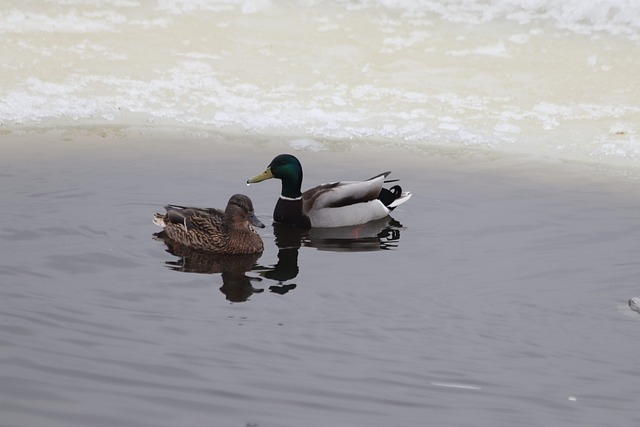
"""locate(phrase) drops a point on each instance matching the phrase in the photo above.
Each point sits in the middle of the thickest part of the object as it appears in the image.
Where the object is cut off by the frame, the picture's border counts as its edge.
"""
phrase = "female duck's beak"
(253, 220)
(261, 177)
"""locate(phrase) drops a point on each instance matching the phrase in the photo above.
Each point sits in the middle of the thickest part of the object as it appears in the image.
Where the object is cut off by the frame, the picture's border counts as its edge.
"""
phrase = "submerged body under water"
(498, 295)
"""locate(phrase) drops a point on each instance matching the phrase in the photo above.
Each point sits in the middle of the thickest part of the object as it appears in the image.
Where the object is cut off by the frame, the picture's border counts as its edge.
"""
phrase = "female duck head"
(240, 210)
(287, 169)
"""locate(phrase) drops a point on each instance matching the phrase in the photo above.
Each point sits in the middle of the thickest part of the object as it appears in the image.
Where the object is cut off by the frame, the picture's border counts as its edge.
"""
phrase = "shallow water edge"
(237, 140)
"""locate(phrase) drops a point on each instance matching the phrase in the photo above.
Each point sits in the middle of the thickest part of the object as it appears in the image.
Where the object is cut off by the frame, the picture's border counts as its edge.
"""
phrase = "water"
(551, 79)
(497, 296)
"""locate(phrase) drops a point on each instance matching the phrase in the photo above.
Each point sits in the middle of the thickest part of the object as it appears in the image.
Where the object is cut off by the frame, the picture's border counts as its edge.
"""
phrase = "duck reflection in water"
(383, 234)
(236, 285)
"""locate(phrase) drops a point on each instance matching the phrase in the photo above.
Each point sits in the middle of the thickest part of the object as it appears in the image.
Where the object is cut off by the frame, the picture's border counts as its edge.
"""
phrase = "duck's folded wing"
(344, 193)
(210, 211)
(205, 220)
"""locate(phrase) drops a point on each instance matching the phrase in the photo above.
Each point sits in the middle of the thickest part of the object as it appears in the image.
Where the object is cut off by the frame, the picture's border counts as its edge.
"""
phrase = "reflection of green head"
(287, 169)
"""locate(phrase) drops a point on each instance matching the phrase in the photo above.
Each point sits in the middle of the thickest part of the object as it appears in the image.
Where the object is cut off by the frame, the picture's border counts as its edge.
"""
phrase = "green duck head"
(286, 168)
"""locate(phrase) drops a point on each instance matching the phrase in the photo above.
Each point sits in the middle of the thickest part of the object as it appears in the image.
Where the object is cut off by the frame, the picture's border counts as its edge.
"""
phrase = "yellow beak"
(261, 177)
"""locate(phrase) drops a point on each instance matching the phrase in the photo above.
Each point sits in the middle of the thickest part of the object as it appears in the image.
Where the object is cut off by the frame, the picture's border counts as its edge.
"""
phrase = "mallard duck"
(335, 204)
(209, 229)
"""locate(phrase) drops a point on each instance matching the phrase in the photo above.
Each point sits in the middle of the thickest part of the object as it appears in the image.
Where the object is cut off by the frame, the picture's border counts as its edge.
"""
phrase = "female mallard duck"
(335, 204)
(228, 232)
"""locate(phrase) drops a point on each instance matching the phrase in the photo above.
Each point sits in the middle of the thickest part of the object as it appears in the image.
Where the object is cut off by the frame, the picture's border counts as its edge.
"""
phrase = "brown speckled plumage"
(228, 232)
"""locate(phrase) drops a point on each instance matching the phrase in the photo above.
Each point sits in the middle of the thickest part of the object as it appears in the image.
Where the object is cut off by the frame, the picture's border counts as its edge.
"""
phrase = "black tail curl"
(387, 196)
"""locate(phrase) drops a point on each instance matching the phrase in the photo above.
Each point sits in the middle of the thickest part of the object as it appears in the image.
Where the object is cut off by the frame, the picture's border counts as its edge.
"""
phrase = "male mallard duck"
(209, 229)
(335, 204)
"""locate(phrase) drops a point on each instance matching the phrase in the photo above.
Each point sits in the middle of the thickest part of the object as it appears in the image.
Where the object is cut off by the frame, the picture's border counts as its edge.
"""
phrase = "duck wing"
(206, 220)
(343, 193)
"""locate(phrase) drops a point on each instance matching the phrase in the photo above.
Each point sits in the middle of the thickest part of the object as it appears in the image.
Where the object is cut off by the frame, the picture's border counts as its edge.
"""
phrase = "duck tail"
(404, 196)
(393, 197)
(158, 219)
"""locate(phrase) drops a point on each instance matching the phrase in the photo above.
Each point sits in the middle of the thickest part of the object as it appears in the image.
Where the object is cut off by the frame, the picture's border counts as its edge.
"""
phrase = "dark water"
(496, 296)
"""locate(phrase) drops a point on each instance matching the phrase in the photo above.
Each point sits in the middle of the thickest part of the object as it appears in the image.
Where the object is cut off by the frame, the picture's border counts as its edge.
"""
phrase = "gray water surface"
(496, 296)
